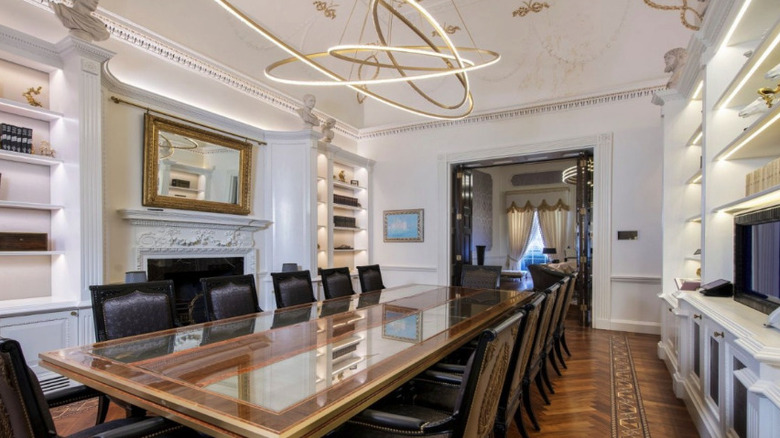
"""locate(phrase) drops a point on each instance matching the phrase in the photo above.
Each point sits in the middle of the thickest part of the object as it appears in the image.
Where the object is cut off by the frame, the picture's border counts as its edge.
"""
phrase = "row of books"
(346, 200)
(344, 221)
(15, 138)
(763, 178)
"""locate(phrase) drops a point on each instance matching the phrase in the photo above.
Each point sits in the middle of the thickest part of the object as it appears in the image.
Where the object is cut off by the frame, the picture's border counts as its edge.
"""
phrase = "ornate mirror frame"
(153, 195)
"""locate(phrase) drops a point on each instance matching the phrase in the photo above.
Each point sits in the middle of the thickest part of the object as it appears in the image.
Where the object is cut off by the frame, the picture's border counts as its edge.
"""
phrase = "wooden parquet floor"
(580, 406)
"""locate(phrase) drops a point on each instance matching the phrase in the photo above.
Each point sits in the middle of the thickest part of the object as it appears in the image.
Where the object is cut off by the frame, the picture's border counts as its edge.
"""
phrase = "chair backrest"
(24, 412)
(563, 288)
(545, 318)
(510, 395)
(229, 296)
(336, 282)
(370, 278)
(291, 288)
(121, 310)
(482, 382)
(544, 277)
(568, 295)
(481, 277)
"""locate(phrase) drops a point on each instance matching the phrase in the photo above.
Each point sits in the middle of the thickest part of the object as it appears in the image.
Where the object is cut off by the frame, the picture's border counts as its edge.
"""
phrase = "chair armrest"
(62, 397)
(151, 426)
(376, 418)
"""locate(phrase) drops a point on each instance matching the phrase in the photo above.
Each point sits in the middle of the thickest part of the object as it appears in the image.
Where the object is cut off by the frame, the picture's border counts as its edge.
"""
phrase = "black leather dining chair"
(25, 410)
(121, 310)
(336, 282)
(480, 277)
(292, 288)
(370, 278)
(431, 406)
(229, 296)
(560, 329)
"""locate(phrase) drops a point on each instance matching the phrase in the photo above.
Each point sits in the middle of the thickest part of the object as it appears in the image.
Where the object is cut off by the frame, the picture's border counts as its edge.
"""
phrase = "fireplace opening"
(186, 274)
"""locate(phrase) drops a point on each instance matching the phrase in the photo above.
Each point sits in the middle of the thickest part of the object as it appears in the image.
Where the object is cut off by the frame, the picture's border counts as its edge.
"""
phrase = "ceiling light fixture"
(384, 14)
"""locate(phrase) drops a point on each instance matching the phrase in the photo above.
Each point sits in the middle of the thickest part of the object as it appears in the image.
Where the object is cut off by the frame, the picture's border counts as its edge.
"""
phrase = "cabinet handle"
(695, 316)
(74, 313)
(670, 309)
(719, 335)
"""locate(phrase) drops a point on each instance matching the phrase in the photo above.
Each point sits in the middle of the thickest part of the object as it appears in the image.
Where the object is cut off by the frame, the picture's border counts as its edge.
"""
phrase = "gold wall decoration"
(530, 6)
(768, 94)
(684, 10)
(29, 96)
(328, 9)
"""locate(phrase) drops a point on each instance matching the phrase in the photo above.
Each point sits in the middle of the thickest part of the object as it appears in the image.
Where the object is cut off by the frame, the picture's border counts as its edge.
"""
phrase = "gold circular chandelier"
(422, 61)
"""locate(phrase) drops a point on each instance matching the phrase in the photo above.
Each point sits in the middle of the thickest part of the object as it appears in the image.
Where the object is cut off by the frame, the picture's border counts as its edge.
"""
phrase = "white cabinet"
(730, 364)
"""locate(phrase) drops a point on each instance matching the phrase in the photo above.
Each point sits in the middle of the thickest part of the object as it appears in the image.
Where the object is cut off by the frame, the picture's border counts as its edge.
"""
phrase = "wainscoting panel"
(635, 306)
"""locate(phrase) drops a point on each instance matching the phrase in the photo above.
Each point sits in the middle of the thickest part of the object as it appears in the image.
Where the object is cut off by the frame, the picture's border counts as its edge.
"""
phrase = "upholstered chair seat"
(292, 288)
(428, 406)
(229, 296)
(481, 277)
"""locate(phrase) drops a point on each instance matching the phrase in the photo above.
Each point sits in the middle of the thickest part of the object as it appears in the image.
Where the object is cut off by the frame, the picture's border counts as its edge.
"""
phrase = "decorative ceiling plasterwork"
(327, 9)
(690, 17)
(529, 7)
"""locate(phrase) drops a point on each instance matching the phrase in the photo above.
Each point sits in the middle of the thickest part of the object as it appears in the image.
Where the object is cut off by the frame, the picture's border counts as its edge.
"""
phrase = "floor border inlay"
(628, 414)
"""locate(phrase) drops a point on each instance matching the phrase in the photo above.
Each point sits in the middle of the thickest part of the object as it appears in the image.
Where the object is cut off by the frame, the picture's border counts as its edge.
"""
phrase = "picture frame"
(354, 182)
(398, 327)
(403, 225)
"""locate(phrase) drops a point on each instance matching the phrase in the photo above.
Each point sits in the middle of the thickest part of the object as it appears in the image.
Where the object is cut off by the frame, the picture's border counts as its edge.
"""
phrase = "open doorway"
(523, 210)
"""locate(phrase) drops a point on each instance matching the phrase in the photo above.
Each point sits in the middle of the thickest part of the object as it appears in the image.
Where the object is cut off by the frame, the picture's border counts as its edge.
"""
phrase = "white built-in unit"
(724, 362)
(45, 299)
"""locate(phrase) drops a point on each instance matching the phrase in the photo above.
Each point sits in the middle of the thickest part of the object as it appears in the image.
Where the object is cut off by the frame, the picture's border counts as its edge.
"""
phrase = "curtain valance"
(543, 206)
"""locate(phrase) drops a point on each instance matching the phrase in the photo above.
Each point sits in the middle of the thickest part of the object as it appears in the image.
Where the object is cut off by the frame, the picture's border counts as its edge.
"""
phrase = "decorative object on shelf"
(24, 242)
(344, 246)
(763, 178)
(768, 94)
(354, 182)
(528, 7)
(403, 225)
(675, 60)
(29, 96)
(327, 130)
(344, 221)
(180, 183)
(760, 105)
(80, 21)
(382, 56)
(233, 167)
(44, 148)
(346, 200)
(690, 16)
(308, 117)
(342, 176)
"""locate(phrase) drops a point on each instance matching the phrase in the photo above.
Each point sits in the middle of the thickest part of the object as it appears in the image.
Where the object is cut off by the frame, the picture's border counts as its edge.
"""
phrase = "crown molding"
(516, 112)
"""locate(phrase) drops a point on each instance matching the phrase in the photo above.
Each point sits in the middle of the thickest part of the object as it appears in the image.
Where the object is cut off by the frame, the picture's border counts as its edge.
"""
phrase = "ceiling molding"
(517, 112)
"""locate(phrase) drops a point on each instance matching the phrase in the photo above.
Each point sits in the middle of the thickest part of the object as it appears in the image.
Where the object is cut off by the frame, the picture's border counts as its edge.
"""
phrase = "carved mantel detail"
(176, 234)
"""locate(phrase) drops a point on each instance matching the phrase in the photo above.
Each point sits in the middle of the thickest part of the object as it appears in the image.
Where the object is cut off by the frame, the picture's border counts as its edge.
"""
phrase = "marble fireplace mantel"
(177, 233)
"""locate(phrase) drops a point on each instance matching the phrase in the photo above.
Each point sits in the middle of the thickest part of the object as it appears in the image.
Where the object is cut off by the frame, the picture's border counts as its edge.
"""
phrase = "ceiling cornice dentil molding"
(516, 112)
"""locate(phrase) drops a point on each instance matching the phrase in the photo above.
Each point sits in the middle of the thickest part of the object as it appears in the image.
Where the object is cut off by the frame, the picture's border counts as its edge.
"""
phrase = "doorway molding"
(601, 144)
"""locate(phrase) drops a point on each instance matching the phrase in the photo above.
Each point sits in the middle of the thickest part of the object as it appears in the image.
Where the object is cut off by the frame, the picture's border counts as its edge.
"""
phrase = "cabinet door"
(712, 363)
(41, 333)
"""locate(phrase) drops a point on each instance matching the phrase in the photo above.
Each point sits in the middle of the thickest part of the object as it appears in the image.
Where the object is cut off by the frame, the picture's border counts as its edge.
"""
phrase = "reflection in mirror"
(194, 169)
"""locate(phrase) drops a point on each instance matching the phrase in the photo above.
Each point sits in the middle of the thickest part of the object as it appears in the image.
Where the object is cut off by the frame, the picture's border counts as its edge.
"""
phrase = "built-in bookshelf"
(343, 210)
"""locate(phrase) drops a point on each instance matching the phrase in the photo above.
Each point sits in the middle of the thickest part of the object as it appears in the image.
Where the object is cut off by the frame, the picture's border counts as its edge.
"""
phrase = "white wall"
(406, 177)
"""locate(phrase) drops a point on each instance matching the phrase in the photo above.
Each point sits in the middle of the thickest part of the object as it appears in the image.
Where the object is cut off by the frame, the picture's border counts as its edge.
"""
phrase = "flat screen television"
(757, 259)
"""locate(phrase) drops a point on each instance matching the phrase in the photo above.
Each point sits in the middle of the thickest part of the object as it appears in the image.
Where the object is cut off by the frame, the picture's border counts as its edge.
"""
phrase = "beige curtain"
(520, 221)
(553, 225)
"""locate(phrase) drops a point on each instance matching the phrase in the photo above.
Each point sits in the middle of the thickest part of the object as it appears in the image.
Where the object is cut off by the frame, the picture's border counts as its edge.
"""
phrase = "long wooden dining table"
(294, 372)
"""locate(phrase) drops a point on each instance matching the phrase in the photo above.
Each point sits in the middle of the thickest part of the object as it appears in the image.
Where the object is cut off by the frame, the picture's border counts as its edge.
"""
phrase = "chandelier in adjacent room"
(393, 47)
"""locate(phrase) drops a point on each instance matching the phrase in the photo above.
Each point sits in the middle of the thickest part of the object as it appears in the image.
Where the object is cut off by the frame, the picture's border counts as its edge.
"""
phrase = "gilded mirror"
(194, 169)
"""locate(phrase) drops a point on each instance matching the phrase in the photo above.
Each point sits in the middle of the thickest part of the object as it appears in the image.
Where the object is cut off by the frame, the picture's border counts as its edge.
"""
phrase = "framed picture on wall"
(403, 225)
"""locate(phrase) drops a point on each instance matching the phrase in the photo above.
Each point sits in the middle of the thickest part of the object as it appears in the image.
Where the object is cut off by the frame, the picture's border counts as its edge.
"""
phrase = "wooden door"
(462, 192)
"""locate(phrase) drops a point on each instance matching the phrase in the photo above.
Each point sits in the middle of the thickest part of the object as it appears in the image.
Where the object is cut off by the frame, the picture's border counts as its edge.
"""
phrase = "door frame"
(601, 144)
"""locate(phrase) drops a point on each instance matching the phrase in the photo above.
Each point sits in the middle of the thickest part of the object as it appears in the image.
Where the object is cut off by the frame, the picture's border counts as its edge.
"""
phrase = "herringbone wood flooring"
(581, 404)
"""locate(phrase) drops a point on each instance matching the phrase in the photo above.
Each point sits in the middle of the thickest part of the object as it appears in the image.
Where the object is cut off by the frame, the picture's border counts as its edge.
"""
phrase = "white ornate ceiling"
(194, 51)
